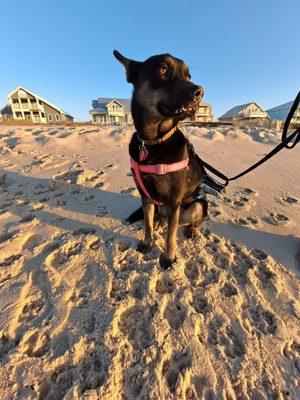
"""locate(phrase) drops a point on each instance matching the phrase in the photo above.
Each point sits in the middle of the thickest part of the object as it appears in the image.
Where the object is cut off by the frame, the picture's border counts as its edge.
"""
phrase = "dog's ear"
(132, 67)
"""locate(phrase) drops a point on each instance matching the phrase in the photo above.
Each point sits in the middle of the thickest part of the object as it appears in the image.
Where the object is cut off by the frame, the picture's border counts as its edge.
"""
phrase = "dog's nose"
(199, 92)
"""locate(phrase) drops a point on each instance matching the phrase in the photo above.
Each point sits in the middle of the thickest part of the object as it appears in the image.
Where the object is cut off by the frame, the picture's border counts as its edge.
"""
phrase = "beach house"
(26, 105)
(111, 111)
(245, 111)
(280, 113)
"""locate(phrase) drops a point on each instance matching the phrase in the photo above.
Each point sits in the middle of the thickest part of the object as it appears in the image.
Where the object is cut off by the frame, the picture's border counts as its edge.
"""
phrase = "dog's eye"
(162, 70)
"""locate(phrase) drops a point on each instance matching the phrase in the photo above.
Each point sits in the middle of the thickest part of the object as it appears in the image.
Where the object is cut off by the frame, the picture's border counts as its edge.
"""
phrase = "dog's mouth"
(186, 110)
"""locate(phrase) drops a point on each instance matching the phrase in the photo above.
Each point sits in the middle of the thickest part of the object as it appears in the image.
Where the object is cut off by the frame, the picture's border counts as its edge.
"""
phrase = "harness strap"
(157, 169)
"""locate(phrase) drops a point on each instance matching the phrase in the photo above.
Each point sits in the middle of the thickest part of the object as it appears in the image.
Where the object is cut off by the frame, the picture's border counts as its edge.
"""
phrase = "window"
(57, 117)
(23, 100)
(40, 102)
(18, 114)
(50, 117)
(15, 101)
(43, 115)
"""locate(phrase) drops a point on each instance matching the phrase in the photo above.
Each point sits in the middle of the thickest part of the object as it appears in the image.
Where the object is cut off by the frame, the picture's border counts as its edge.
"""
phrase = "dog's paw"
(165, 262)
(143, 247)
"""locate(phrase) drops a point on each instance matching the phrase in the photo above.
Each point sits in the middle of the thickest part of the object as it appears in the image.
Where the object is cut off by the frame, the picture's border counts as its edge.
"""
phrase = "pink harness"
(157, 169)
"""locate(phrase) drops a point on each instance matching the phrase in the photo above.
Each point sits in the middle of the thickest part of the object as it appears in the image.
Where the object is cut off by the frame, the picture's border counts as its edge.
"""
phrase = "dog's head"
(162, 86)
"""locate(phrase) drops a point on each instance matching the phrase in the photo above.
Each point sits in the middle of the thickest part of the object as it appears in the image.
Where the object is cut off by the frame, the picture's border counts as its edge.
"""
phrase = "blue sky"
(238, 51)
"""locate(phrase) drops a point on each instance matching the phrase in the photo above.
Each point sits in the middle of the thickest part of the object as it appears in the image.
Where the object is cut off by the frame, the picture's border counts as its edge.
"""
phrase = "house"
(6, 113)
(245, 111)
(281, 112)
(29, 106)
(111, 111)
(203, 114)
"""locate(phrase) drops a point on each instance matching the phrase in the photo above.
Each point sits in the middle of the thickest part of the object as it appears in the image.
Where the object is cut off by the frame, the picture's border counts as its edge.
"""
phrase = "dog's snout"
(199, 92)
(195, 92)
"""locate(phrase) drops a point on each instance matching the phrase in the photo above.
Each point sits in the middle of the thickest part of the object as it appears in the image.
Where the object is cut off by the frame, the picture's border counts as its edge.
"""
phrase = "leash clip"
(209, 185)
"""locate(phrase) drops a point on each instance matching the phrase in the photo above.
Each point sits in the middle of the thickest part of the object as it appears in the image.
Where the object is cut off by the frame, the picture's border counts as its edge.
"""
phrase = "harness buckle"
(160, 169)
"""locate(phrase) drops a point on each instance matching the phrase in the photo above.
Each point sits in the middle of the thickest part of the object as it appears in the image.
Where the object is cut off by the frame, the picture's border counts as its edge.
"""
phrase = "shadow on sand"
(73, 206)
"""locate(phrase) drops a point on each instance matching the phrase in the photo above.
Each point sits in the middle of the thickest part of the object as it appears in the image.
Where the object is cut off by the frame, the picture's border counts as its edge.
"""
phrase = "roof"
(280, 112)
(235, 110)
(101, 103)
(39, 98)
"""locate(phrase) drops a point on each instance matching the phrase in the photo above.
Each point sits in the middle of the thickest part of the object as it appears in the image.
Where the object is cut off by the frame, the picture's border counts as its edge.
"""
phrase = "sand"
(85, 316)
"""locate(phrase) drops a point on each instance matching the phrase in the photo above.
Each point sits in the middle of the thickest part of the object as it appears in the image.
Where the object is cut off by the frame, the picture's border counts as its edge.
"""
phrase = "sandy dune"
(85, 316)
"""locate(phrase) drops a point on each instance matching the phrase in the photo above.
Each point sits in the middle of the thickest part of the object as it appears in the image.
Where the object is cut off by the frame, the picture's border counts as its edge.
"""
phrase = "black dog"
(163, 95)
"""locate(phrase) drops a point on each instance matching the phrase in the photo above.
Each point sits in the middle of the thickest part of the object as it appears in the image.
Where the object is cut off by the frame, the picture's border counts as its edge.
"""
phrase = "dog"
(162, 96)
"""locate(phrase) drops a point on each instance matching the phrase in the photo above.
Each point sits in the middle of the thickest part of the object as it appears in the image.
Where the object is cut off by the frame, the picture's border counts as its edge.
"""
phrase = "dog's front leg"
(146, 245)
(169, 256)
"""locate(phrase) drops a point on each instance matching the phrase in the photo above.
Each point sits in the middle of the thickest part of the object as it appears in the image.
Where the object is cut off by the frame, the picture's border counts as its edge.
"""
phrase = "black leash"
(285, 140)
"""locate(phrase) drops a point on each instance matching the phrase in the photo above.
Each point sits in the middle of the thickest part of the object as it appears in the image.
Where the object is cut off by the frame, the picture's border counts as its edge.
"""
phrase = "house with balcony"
(28, 106)
(203, 114)
(111, 111)
(245, 111)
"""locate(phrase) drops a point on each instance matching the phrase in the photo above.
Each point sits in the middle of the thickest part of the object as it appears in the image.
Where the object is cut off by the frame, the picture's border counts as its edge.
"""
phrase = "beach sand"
(85, 316)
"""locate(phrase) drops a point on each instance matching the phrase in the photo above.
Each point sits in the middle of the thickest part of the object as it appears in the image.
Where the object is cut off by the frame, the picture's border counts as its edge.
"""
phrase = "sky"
(239, 51)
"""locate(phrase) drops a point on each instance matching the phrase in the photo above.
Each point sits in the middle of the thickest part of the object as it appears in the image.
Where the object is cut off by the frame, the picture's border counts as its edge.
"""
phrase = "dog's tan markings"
(148, 218)
(173, 219)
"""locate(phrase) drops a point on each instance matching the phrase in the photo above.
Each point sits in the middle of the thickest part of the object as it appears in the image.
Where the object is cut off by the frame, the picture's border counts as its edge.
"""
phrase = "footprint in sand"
(242, 203)
(277, 219)
(215, 213)
(135, 323)
(111, 166)
(288, 201)
(229, 290)
(200, 304)
(164, 285)
(118, 290)
(263, 320)
(265, 275)
(69, 176)
(175, 315)
(102, 211)
(192, 272)
(64, 253)
(175, 368)
(247, 221)
(233, 346)
(248, 191)
(34, 343)
(240, 221)
(131, 190)
(139, 288)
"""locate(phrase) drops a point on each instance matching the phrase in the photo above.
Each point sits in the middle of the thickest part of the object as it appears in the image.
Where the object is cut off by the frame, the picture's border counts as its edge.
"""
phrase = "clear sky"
(238, 50)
